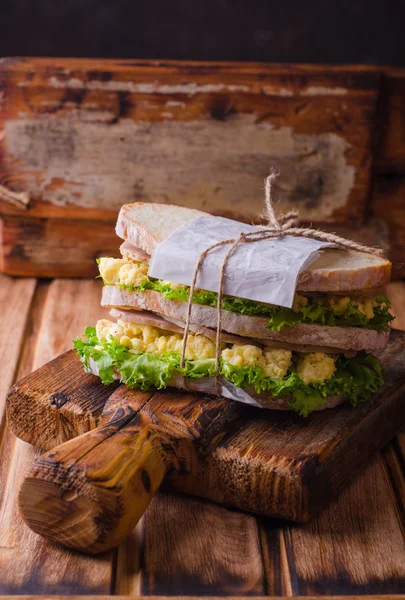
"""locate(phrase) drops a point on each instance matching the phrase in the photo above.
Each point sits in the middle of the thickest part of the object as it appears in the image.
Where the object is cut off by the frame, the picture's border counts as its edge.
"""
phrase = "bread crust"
(344, 338)
(367, 271)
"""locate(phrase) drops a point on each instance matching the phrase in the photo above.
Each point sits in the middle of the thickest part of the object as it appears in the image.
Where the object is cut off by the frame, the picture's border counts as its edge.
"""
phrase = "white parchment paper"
(265, 271)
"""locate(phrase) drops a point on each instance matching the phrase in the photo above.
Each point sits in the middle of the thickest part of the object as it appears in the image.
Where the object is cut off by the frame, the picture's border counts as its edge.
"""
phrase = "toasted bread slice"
(147, 225)
(344, 338)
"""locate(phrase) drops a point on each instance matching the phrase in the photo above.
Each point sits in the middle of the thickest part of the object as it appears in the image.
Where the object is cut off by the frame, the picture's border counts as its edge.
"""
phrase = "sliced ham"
(128, 250)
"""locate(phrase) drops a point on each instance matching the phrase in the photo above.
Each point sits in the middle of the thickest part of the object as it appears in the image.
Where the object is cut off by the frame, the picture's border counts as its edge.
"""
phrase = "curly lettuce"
(318, 311)
(356, 379)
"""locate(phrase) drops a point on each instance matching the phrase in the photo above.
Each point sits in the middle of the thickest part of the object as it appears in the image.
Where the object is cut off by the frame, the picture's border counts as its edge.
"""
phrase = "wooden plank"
(28, 564)
(192, 547)
(393, 455)
(97, 136)
(387, 204)
(396, 294)
(276, 569)
(390, 155)
(15, 300)
(353, 546)
(17, 297)
(129, 557)
(55, 247)
(74, 403)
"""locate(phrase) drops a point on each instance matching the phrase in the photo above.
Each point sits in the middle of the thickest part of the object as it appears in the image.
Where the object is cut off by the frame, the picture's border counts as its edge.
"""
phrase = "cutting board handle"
(90, 492)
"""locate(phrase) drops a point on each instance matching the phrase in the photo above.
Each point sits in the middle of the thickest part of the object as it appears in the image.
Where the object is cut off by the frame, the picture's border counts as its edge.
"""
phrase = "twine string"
(276, 227)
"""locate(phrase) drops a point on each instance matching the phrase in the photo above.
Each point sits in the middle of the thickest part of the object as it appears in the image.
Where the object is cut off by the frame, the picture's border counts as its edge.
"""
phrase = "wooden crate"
(80, 137)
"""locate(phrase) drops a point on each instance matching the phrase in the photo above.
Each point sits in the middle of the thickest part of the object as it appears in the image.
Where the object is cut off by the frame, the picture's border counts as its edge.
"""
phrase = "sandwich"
(319, 353)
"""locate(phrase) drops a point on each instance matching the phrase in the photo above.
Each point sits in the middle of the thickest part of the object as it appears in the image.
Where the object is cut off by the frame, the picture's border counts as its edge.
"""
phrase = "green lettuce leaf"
(356, 379)
(146, 371)
(194, 369)
(106, 358)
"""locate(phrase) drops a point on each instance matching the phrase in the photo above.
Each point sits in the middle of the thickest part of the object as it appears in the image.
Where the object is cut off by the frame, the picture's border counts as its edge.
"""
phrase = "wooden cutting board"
(269, 462)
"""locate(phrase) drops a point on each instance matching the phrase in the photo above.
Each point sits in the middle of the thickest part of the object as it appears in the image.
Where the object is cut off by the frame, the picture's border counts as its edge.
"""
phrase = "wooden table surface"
(186, 546)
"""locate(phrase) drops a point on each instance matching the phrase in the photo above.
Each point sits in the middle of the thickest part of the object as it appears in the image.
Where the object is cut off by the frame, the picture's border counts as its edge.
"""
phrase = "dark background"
(325, 31)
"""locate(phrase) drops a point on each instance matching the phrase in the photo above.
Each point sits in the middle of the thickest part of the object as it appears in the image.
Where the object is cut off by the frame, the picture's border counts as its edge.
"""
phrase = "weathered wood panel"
(354, 546)
(396, 295)
(390, 148)
(388, 204)
(55, 246)
(212, 550)
(15, 301)
(205, 135)
(277, 573)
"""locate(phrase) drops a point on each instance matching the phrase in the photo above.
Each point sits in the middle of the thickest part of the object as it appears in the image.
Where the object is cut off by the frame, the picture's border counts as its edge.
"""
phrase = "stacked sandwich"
(319, 353)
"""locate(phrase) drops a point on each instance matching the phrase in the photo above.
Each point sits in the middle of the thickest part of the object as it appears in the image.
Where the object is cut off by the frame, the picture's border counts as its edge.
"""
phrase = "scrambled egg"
(175, 286)
(365, 305)
(311, 367)
(123, 271)
(274, 362)
(144, 338)
(339, 304)
(315, 366)
(299, 302)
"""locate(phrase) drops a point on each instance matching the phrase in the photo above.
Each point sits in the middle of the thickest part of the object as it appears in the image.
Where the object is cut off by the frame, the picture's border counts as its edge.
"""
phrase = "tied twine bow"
(276, 227)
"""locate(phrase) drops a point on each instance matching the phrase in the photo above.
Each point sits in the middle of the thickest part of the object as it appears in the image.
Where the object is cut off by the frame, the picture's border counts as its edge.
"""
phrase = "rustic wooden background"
(186, 546)
(79, 138)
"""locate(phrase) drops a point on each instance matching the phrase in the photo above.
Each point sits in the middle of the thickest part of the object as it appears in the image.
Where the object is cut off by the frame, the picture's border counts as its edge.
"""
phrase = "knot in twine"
(276, 227)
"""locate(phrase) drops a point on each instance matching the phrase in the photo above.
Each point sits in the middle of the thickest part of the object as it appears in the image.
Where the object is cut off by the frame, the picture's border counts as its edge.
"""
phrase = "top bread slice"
(147, 225)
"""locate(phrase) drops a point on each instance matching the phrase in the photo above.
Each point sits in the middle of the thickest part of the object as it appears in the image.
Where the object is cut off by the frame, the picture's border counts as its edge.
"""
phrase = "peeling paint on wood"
(188, 89)
(174, 162)
(144, 88)
(324, 91)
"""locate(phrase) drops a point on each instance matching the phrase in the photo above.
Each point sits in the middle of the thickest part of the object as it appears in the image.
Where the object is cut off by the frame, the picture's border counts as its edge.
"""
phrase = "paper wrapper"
(265, 271)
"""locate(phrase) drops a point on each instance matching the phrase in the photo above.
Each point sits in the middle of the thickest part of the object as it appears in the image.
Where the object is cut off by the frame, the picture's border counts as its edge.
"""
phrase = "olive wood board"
(273, 463)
